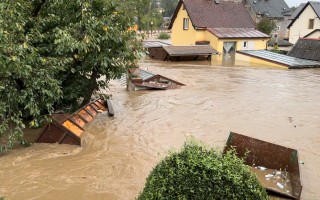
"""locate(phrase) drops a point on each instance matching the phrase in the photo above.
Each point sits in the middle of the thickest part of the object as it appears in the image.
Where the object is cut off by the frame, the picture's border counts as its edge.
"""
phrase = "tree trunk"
(37, 8)
(91, 87)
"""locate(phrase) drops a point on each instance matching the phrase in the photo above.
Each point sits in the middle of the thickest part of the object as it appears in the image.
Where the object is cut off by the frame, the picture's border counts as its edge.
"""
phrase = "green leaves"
(266, 25)
(197, 172)
(52, 54)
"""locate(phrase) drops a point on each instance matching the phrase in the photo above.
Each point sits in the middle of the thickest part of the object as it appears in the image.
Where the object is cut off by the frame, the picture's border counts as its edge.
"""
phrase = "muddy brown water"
(277, 105)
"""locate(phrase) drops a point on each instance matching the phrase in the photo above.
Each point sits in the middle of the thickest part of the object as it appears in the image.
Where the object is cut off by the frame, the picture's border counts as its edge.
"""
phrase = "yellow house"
(225, 25)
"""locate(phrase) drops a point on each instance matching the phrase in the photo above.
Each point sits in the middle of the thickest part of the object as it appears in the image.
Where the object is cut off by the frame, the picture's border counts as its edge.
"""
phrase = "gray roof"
(281, 42)
(190, 50)
(315, 6)
(297, 11)
(154, 43)
(290, 62)
(270, 8)
(237, 33)
(145, 74)
(306, 49)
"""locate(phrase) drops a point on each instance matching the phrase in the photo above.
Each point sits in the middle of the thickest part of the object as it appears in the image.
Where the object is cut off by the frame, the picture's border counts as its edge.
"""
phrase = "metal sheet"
(237, 33)
(155, 43)
(285, 60)
(272, 156)
(190, 50)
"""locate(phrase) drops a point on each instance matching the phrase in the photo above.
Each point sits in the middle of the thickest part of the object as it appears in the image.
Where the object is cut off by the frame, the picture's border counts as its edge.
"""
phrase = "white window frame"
(245, 44)
(185, 23)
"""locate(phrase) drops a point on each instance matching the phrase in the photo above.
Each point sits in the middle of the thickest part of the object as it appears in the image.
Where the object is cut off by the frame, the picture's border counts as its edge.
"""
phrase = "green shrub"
(163, 36)
(279, 51)
(197, 172)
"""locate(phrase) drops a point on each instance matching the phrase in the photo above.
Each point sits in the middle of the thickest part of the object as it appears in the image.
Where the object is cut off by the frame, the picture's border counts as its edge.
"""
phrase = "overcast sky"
(296, 2)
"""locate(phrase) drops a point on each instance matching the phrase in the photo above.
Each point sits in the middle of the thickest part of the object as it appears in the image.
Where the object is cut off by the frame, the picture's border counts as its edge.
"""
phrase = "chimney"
(217, 1)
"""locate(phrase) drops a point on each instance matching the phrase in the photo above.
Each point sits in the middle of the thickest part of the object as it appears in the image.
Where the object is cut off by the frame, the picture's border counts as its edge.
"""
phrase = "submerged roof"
(314, 5)
(237, 33)
(297, 11)
(209, 14)
(270, 8)
(280, 42)
(290, 62)
(190, 50)
(307, 49)
(154, 43)
(143, 74)
(148, 80)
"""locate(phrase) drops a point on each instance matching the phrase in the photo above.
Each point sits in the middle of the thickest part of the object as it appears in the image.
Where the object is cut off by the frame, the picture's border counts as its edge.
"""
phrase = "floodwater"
(277, 105)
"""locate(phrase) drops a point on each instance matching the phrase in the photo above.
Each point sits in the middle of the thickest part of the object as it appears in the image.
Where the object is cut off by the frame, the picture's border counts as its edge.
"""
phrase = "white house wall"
(315, 35)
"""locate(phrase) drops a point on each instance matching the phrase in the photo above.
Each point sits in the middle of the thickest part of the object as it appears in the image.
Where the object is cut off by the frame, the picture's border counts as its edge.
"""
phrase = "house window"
(311, 23)
(185, 23)
(245, 44)
(278, 28)
(183, 7)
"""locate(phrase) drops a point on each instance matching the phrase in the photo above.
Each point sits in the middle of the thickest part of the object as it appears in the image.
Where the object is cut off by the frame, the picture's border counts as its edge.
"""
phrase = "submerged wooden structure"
(68, 129)
(276, 167)
(194, 52)
(143, 80)
(166, 52)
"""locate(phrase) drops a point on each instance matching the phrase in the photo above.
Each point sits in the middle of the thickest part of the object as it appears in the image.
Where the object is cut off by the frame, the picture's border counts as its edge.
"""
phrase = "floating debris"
(269, 175)
(68, 129)
(276, 167)
(139, 79)
(261, 168)
(280, 185)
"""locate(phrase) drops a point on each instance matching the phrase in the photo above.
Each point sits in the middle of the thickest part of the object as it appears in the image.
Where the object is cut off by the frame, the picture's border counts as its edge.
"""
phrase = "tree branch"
(37, 8)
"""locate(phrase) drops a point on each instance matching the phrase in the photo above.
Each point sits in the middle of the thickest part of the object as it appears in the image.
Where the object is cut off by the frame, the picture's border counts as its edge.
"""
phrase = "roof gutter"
(200, 28)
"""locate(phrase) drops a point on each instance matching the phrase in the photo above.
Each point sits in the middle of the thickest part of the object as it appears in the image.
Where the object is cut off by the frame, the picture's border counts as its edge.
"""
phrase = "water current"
(277, 105)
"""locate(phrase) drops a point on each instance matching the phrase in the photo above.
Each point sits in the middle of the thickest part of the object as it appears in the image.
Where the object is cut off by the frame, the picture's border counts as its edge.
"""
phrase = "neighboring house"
(306, 49)
(279, 42)
(275, 10)
(225, 25)
(305, 22)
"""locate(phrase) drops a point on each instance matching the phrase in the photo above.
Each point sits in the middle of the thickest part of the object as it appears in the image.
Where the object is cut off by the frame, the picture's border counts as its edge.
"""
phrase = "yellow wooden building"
(224, 24)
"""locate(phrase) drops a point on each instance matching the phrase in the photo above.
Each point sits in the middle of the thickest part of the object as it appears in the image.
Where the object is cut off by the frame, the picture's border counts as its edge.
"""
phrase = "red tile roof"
(208, 14)
(237, 33)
